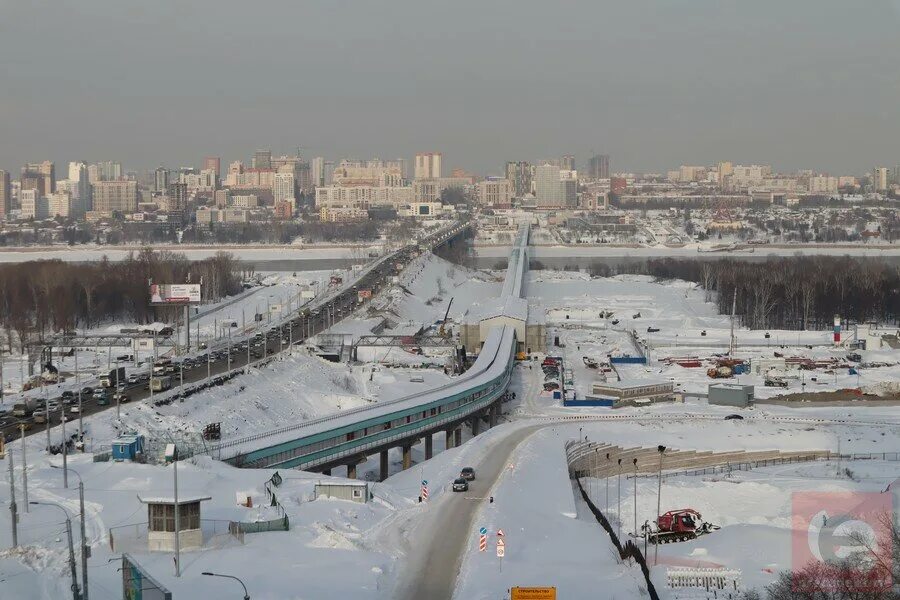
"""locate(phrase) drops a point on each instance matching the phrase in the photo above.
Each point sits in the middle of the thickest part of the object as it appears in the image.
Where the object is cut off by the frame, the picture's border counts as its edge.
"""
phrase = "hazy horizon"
(804, 84)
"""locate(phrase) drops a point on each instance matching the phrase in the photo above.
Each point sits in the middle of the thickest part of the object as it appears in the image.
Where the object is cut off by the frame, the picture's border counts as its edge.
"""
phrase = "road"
(215, 362)
(433, 570)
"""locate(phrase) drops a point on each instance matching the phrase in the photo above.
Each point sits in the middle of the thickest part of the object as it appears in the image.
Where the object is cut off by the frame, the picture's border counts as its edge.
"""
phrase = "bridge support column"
(449, 443)
(351, 471)
(429, 450)
(458, 437)
(407, 457)
(383, 460)
(493, 415)
(475, 422)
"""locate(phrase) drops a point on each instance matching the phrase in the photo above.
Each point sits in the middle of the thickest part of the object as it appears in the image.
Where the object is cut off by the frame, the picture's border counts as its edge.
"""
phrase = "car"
(144, 377)
(460, 485)
(121, 398)
(133, 378)
(734, 417)
(467, 473)
(67, 395)
(202, 346)
(99, 393)
(87, 390)
(74, 409)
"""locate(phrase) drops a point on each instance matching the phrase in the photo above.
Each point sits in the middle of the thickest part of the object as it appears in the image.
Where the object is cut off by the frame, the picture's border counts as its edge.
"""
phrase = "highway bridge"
(350, 437)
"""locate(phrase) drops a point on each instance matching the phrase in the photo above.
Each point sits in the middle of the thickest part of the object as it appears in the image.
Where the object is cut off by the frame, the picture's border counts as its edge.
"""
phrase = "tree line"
(42, 297)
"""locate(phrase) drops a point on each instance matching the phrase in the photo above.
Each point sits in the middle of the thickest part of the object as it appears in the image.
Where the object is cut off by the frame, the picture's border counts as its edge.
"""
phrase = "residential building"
(567, 163)
(317, 171)
(341, 213)
(204, 181)
(5, 195)
(494, 192)
(744, 175)
(897, 175)
(823, 184)
(284, 209)
(161, 179)
(283, 187)
(880, 179)
(39, 176)
(430, 190)
(362, 197)
(222, 198)
(33, 205)
(598, 167)
(255, 179)
(372, 173)
(114, 196)
(79, 187)
(59, 204)
(245, 201)
(428, 165)
(207, 217)
(519, 175)
(549, 192)
(105, 171)
(724, 169)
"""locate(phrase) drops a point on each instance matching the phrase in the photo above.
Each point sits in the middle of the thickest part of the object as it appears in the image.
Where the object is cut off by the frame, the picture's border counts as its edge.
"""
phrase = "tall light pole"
(78, 388)
(75, 592)
(177, 514)
(662, 450)
(24, 468)
(619, 501)
(607, 484)
(246, 595)
(635, 497)
(85, 549)
(14, 517)
(65, 446)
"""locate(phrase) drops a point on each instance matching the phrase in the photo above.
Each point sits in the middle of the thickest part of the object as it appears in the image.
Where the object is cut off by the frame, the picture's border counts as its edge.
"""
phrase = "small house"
(161, 523)
(127, 447)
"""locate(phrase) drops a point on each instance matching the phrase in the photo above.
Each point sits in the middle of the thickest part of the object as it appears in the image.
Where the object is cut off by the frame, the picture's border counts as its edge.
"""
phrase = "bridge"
(348, 438)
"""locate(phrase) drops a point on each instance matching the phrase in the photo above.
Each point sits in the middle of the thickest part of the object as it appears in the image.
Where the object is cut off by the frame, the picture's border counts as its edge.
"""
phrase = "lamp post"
(662, 450)
(85, 549)
(635, 497)
(607, 484)
(75, 593)
(619, 502)
(246, 595)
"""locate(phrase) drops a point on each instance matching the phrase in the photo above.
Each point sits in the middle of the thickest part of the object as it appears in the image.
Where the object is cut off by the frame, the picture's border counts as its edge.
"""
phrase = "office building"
(33, 205)
(59, 204)
(262, 159)
(494, 192)
(519, 175)
(114, 196)
(39, 176)
(362, 198)
(880, 180)
(161, 179)
(105, 171)
(567, 163)
(213, 163)
(317, 171)
(283, 187)
(549, 191)
(245, 201)
(428, 165)
(79, 187)
(5, 195)
(284, 209)
(598, 167)
(372, 173)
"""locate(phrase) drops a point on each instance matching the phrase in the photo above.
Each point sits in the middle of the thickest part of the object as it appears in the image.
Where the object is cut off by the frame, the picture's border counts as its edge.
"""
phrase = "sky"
(655, 84)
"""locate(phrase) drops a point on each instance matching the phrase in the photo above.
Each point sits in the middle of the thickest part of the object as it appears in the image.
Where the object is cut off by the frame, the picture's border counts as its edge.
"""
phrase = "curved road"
(432, 571)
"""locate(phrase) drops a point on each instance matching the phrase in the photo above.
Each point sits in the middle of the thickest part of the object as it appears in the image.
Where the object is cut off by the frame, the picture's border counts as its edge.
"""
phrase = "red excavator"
(677, 526)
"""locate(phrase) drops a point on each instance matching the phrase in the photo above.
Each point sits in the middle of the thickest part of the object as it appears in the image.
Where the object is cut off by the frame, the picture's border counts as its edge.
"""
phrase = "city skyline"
(651, 84)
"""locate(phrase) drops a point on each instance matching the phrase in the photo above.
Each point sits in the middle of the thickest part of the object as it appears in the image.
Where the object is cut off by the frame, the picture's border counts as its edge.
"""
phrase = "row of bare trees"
(798, 292)
(46, 296)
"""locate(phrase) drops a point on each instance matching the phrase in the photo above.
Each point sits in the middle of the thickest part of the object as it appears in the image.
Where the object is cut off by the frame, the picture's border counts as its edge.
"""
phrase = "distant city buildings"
(5, 195)
(114, 196)
(519, 174)
(38, 176)
(262, 159)
(554, 188)
(880, 178)
(428, 165)
(495, 192)
(598, 167)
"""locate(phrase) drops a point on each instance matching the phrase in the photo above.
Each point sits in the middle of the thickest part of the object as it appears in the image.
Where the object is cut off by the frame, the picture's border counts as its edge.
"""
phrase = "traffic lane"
(450, 522)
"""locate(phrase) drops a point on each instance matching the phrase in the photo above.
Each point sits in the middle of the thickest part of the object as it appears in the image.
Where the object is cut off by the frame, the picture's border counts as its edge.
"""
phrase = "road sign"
(483, 531)
(424, 491)
(532, 593)
(500, 542)
(482, 543)
(499, 533)
(424, 482)
(501, 550)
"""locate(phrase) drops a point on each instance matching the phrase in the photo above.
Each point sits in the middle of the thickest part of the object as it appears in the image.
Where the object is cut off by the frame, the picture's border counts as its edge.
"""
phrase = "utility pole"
(14, 516)
(607, 484)
(85, 549)
(733, 310)
(619, 502)
(24, 469)
(80, 410)
(47, 425)
(635, 498)
(75, 592)
(62, 420)
(177, 517)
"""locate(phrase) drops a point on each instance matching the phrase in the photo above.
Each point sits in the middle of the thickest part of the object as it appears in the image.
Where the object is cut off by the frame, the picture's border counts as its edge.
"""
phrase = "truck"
(161, 384)
(24, 408)
(114, 377)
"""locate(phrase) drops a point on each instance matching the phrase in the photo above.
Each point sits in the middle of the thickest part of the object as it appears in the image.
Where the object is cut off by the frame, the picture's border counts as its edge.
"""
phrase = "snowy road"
(432, 571)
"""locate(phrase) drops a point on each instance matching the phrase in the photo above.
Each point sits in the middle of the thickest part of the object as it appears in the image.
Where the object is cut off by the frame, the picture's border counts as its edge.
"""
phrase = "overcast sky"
(655, 84)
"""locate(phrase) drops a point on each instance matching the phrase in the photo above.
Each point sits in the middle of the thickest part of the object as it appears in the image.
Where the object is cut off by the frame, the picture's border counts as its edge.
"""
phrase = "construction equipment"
(589, 362)
(677, 526)
(441, 331)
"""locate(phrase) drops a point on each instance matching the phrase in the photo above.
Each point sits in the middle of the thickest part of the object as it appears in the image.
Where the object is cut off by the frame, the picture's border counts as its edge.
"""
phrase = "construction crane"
(442, 331)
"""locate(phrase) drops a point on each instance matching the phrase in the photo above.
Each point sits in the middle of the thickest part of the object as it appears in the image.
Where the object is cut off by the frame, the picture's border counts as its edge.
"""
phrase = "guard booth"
(128, 447)
(161, 523)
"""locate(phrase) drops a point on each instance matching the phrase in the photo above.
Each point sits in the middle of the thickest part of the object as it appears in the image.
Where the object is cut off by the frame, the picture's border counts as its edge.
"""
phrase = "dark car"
(730, 417)
(87, 391)
(460, 485)
(67, 395)
(467, 473)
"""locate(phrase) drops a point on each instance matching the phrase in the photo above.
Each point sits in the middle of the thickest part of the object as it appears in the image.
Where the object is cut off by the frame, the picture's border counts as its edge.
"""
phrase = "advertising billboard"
(175, 293)
(137, 584)
(308, 294)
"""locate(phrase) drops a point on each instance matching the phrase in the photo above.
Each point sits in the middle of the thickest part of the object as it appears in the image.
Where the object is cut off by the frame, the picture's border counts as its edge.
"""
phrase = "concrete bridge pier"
(449, 435)
(476, 421)
(457, 435)
(407, 456)
(351, 471)
(493, 415)
(429, 446)
(383, 460)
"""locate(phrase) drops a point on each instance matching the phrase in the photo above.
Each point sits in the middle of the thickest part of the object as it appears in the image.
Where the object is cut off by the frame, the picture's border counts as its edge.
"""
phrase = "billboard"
(175, 293)
(142, 344)
(137, 584)
(307, 294)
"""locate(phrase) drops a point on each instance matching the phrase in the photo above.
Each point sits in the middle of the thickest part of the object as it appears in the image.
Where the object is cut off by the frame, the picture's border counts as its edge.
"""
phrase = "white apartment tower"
(428, 165)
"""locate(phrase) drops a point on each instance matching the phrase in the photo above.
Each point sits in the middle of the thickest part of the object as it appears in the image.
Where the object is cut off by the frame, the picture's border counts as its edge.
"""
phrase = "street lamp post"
(607, 484)
(661, 449)
(635, 497)
(75, 592)
(619, 501)
(246, 595)
(85, 549)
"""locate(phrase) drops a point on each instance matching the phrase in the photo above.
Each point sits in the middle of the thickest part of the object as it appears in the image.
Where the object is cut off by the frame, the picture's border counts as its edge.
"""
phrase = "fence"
(714, 580)
(217, 533)
(282, 523)
(630, 550)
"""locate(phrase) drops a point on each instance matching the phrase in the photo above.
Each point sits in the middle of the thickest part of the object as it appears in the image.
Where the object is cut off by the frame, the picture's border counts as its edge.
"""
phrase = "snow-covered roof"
(171, 500)
(632, 383)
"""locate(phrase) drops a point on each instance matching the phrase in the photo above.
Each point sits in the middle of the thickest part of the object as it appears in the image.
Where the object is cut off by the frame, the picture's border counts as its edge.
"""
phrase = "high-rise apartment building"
(115, 196)
(59, 204)
(107, 170)
(262, 159)
(283, 187)
(317, 171)
(5, 195)
(160, 179)
(79, 188)
(567, 163)
(519, 176)
(598, 167)
(897, 175)
(495, 192)
(547, 188)
(428, 165)
(39, 176)
(33, 205)
(880, 179)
